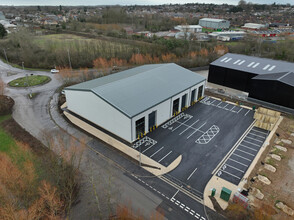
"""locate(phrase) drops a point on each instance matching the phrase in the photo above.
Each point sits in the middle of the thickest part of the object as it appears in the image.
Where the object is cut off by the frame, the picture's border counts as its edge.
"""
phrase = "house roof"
(135, 90)
(263, 68)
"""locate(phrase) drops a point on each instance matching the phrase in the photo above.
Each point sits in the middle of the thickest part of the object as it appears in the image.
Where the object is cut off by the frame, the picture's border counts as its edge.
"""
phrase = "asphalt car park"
(239, 161)
(203, 134)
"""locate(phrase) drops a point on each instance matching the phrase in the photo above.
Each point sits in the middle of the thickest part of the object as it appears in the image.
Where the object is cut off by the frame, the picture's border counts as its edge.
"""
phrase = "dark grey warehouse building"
(264, 79)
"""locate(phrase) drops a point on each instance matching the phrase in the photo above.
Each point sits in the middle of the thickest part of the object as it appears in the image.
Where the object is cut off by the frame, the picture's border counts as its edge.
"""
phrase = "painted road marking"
(225, 106)
(212, 102)
(192, 173)
(259, 131)
(219, 104)
(189, 127)
(148, 148)
(239, 110)
(247, 112)
(251, 143)
(234, 168)
(246, 152)
(156, 152)
(181, 123)
(241, 156)
(247, 147)
(257, 135)
(230, 174)
(232, 108)
(165, 156)
(175, 194)
(196, 130)
(173, 200)
(238, 162)
(254, 139)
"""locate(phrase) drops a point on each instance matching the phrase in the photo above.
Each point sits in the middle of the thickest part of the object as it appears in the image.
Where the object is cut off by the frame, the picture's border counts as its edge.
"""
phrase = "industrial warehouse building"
(127, 104)
(212, 23)
(264, 79)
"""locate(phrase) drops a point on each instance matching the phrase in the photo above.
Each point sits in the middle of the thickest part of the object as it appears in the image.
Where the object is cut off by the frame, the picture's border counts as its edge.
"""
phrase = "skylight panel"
(256, 65)
(270, 69)
(228, 60)
(224, 59)
(266, 67)
(236, 62)
(243, 61)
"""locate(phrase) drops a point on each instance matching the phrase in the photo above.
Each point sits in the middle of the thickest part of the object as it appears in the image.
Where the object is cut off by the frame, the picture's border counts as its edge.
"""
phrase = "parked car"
(54, 71)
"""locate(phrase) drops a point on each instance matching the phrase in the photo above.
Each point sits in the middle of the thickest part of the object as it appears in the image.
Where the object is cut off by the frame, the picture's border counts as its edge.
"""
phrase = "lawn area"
(30, 81)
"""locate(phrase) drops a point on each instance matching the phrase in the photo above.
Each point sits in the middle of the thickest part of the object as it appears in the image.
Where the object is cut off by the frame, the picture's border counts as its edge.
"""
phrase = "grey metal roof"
(265, 69)
(286, 77)
(212, 19)
(253, 64)
(136, 90)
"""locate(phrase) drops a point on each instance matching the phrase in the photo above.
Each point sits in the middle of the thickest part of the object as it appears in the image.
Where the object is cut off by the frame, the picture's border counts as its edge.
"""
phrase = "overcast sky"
(130, 2)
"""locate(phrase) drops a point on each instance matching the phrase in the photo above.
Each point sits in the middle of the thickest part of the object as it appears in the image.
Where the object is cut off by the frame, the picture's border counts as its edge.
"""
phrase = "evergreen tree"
(3, 31)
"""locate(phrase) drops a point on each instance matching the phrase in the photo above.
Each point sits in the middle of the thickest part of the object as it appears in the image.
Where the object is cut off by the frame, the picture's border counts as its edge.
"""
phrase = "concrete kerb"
(154, 167)
(218, 183)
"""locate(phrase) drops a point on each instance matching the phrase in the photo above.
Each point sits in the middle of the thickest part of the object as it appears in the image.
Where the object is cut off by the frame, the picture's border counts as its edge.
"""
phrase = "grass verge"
(30, 81)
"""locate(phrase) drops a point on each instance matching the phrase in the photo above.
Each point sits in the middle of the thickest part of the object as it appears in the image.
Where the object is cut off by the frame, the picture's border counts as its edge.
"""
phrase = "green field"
(60, 43)
(30, 81)
(7, 141)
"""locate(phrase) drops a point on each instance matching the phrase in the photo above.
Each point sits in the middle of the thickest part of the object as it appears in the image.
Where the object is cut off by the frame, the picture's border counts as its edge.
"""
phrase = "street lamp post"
(27, 79)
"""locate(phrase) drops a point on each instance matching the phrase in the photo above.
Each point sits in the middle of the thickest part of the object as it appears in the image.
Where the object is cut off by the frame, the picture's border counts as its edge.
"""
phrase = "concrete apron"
(217, 182)
(152, 166)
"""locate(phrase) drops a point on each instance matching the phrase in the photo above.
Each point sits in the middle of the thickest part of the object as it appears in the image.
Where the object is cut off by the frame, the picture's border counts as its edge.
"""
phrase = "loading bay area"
(204, 134)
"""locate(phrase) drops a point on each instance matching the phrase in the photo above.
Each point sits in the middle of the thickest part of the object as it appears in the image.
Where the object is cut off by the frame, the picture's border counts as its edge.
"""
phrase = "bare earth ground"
(282, 186)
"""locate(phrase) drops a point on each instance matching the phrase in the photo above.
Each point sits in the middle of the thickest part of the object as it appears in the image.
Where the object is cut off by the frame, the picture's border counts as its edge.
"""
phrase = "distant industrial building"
(228, 35)
(189, 28)
(130, 103)
(254, 26)
(212, 23)
(264, 79)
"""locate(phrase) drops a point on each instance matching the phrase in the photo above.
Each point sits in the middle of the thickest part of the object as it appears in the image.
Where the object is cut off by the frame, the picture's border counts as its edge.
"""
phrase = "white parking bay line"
(242, 145)
(212, 102)
(230, 174)
(219, 104)
(251, 143)
(233, 108)
(225, 106)
(247, 112)
(256, 135)
(165, 156)
(192, 173)
(246, 152)
(239, 110)
(238, 162)
(148, 148)
(259, 131)
(235, 161)
(156, 152)
(180, 124)
(241, 157)
(234, 168)
(175, 194)
(188, 127)
(196, 130)
(254, 139)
